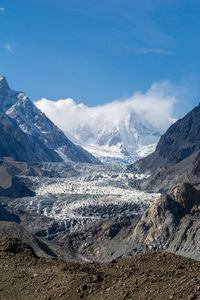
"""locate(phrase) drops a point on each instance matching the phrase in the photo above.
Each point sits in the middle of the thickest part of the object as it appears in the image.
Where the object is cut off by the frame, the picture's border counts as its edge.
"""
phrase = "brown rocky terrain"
(152, 275)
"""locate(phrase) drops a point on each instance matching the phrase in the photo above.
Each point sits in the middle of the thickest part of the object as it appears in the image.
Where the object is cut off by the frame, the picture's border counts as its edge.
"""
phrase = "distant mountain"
(28, 135)
(176, 158)
(118, 132)
(117, 141)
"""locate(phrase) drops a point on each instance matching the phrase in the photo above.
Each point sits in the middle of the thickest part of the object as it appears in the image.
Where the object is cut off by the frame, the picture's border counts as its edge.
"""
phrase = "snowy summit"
(117, 132)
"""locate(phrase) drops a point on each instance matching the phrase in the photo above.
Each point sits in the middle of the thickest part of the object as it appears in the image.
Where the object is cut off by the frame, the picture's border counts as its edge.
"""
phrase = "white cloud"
(2, 9)
(154, 107)
(9, 47)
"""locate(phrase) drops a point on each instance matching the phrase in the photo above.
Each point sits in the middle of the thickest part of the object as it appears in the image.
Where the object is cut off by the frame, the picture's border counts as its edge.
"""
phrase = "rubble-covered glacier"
(78, 193)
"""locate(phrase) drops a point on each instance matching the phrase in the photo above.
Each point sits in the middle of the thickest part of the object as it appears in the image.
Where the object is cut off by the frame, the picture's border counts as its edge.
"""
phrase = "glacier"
(79, 194)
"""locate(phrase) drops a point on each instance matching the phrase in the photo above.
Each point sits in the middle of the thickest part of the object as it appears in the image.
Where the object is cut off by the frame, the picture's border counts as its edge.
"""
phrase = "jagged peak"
(9, 97)
(4, 87)
(2, 77)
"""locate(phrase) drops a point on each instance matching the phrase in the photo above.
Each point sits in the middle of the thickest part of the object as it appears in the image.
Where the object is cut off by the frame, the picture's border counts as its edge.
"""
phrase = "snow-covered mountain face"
(118, 132)
(37, 126)
(120, 140)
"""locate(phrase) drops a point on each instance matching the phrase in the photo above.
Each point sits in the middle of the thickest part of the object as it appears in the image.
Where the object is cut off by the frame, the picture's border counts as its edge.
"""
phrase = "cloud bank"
(155, 107)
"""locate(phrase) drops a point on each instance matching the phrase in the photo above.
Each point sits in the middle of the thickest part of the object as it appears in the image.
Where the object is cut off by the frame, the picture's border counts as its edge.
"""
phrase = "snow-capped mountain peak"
(4, 87)
(39, 128)
(117, 132)
(123, 140)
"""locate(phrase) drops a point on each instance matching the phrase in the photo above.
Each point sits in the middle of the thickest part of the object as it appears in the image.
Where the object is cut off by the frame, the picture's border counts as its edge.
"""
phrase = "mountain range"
(96, 212)
(170, 223)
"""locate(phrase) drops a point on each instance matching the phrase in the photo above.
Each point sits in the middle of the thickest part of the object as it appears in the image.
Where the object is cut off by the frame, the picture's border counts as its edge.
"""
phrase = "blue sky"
(96, 51)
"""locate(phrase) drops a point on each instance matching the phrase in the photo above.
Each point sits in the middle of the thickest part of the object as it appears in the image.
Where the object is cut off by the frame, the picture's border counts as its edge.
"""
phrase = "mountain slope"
(175, 157)
(42, 140)
(180, 141)
(121, 141)
(21, 146)
(11, 185)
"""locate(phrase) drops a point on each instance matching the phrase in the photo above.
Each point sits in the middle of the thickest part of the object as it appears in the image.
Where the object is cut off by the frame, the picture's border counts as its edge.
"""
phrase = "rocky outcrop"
(103, 241)
(17, 188)
(171, 223)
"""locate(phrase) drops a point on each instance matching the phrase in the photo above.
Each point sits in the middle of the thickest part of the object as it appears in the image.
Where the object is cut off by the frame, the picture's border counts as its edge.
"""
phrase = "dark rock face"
(17, 189)
(180, 141)
(6, 215)
(187, 196)
(176, 154)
